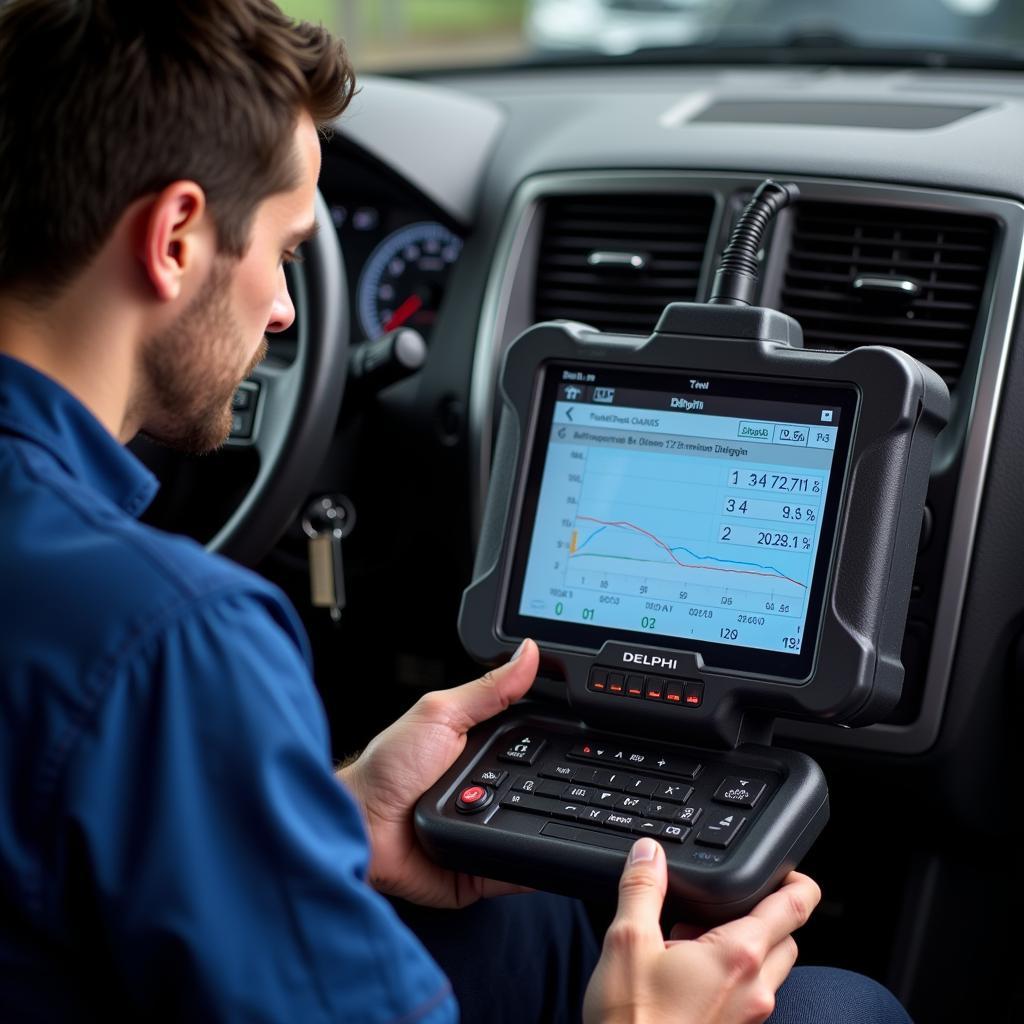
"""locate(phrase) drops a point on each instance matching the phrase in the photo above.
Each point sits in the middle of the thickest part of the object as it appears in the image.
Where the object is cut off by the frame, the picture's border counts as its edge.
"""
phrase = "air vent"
(616, 261)
(879, 275)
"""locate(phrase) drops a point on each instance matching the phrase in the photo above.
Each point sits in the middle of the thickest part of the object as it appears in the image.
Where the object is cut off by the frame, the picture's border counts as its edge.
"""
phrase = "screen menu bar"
(697, 402)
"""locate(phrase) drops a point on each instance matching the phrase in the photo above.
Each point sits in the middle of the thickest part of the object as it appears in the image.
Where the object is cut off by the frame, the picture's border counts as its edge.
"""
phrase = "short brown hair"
(105, 101)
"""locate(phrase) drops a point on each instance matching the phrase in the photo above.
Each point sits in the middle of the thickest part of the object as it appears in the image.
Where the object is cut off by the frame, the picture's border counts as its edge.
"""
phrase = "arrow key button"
(720, 831)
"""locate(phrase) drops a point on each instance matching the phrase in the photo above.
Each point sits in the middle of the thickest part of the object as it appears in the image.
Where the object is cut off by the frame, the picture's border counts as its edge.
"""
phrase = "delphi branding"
(650, 660)
(687, 404)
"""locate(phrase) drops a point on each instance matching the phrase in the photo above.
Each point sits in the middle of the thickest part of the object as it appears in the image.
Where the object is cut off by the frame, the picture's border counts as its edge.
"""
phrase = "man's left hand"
(406, 759)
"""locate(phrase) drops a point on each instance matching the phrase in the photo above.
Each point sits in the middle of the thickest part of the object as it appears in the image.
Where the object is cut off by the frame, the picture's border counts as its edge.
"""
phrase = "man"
(173, 843)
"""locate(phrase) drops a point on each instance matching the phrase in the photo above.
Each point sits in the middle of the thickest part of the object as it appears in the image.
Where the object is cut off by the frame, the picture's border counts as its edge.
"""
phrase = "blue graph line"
(692, 554)
(730, 561)
(600, 529)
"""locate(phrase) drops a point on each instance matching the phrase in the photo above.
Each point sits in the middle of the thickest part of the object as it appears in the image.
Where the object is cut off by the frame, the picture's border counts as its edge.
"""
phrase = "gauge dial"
(403, 280)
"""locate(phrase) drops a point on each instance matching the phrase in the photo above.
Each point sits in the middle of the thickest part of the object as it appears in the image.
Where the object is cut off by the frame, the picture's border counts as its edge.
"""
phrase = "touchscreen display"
(692, 511)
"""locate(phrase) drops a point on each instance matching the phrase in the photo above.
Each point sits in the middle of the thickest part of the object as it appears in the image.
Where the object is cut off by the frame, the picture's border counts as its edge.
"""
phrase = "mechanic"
(174, 843)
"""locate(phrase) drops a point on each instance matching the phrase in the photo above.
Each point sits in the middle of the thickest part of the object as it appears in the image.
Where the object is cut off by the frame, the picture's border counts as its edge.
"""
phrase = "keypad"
(550, 787)
(603, 785)
(626, 758)
(677, 791)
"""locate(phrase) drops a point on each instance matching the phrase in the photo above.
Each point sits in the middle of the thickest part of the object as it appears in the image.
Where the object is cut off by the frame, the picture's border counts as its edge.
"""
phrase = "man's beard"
(191, 370)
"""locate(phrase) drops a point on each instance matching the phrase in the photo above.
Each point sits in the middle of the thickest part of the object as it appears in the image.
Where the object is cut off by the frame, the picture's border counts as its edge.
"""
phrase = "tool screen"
(682, 509)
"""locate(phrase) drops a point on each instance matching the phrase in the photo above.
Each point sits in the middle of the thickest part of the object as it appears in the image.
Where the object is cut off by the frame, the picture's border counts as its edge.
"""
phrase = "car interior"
(463, 201)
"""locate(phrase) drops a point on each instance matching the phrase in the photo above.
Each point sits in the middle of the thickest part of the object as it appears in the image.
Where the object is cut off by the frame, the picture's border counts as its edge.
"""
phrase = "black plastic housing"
(857, 675)
(705, 886)
(854, 677)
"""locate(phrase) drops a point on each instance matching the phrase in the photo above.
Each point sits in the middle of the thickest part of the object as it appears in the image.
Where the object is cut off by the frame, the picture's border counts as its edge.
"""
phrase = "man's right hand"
(726, 975)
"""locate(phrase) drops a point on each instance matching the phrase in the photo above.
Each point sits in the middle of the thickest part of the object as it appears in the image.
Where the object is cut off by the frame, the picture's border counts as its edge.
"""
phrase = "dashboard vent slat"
(669, 231)
(946, 254)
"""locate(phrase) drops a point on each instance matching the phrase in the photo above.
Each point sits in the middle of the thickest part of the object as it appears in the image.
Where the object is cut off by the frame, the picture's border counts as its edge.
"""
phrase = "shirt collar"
(37, 408)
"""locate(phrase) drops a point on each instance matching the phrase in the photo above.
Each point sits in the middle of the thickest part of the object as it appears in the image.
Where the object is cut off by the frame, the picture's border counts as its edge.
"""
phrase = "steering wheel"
(296, 406)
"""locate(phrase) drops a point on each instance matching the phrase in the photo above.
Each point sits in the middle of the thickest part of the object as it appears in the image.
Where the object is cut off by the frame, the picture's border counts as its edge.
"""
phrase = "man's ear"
(175, 237)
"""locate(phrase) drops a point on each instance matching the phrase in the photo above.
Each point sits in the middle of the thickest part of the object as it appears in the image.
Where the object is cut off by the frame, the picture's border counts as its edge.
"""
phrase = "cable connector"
(738, 271)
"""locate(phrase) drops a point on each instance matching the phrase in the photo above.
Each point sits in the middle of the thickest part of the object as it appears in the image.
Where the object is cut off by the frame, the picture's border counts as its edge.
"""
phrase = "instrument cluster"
(398, 249)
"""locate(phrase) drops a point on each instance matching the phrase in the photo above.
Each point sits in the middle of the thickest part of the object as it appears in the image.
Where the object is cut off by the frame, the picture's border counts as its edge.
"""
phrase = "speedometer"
(403, 280)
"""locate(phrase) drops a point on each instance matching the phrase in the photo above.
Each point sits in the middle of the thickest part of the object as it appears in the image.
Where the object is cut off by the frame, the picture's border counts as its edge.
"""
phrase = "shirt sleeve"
(213, 858)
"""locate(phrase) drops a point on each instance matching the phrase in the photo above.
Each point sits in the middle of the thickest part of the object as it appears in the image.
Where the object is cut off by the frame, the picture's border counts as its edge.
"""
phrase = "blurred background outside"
(396, 35)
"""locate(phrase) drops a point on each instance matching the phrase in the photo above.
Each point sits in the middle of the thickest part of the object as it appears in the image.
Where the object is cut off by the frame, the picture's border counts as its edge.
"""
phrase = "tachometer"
(403, 280)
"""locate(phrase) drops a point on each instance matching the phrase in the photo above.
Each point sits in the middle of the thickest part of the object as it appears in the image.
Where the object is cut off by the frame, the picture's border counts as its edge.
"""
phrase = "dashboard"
(472, 205)
(399, 249)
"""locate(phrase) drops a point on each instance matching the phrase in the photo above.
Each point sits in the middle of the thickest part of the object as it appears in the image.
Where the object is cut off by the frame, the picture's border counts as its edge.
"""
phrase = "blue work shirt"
(173, 842)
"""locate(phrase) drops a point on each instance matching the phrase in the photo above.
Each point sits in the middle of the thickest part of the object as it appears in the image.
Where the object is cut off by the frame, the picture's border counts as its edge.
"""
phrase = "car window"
(399, 35)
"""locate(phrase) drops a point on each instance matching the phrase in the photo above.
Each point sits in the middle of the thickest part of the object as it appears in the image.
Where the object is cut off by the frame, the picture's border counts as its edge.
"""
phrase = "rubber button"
(473, 798)
(586, 835)
(722, 832)
(675, 832)
(739, 792)
(523, 750)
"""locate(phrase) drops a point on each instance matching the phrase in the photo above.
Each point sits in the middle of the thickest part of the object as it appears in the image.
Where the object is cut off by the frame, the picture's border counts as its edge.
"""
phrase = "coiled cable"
(738, 271)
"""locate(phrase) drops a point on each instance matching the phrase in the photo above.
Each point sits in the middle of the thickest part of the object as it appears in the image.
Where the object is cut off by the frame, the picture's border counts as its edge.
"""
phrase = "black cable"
(736, 278)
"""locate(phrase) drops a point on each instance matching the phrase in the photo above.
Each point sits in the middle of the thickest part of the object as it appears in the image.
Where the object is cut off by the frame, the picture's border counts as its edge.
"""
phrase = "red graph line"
(686, 565)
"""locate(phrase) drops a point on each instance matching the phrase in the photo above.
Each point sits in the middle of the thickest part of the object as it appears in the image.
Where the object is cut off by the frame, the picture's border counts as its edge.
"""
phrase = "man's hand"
(406, 759)
(727, 975)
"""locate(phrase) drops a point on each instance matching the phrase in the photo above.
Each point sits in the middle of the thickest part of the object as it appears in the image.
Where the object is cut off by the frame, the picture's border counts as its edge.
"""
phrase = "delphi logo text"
(651, 660)
(689, 404)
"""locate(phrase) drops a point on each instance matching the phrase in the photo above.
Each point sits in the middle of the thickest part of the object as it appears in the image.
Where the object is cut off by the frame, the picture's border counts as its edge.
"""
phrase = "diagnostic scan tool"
(702, 530)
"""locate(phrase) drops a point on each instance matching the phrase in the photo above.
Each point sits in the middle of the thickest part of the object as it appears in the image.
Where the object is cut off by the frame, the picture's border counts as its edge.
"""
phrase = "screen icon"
(604, 394)
(826, 415)
(572, 392)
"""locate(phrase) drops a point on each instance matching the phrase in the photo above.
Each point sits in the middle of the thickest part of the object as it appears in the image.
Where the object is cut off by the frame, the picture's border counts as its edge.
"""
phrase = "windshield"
(396, 35)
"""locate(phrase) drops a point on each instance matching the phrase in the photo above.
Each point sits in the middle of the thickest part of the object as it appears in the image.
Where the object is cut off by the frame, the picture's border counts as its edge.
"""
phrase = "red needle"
(404, 311)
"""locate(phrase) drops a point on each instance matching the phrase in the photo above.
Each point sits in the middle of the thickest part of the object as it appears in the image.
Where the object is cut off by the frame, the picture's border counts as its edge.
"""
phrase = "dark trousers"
(527, 960)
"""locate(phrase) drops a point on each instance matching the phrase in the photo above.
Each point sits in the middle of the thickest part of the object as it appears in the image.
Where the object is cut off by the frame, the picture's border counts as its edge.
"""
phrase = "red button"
(472, 794)
(693, 694)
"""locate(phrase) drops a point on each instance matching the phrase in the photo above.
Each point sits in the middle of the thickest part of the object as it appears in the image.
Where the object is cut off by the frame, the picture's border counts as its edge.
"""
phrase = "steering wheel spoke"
(260, 410)
(291, 409)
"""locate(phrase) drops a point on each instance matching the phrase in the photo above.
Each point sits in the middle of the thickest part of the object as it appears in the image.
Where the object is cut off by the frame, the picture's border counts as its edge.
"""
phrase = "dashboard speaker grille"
(879, 275)
(616, 261)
